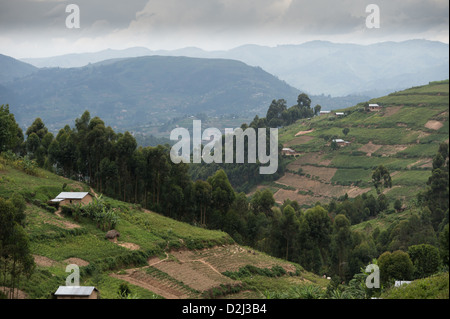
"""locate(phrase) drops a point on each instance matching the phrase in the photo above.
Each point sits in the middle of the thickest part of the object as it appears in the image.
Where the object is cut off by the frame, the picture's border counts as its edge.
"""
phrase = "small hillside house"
(324, 112)
(67, 198)
(341, 142)
(76, 292)
(375, 107)
(287, 151)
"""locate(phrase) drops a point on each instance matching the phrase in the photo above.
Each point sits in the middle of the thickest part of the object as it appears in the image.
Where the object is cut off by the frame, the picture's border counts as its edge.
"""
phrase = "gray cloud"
(175, 23)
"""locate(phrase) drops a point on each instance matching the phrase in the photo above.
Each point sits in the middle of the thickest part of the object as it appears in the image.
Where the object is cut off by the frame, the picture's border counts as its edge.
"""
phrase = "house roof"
(71, 195)
(74, 291)
(339, 141)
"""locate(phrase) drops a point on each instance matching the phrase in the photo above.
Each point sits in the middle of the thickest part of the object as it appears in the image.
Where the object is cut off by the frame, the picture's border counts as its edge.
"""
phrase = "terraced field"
(190, 273)
(403, 136)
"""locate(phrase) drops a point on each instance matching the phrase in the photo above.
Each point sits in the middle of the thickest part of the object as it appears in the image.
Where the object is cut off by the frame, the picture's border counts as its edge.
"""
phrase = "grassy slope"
(57, 241)
(434, 287)
(404, 137)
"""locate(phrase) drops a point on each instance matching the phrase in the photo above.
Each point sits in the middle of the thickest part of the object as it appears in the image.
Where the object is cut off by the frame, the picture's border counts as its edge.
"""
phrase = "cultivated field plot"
(315, 158)
(281, 195)
(299, 140)
(319, 189)
(189, 273)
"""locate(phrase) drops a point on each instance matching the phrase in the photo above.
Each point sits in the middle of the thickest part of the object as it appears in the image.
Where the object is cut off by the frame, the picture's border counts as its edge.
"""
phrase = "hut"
(287, 151)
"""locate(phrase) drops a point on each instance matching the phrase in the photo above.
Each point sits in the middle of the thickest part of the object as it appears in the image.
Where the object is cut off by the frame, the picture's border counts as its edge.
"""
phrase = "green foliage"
(298, 292)
(15, 255)
(381, 178)
(395, 266)
(11, 135)
(434, 287)
(124, 291)
(425, 258)
(223, 290)
(250, 270)
(444, 247)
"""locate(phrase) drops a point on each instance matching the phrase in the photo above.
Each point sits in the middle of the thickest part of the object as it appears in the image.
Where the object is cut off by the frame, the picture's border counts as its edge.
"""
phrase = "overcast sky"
(37, 28)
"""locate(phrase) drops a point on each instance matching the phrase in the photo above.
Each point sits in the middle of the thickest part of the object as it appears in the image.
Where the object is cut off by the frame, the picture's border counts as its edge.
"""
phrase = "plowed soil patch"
(434, 125)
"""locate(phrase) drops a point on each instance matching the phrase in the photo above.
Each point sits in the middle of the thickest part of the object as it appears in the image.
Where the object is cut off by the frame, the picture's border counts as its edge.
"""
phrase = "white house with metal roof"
(76, 292)
(66, 198)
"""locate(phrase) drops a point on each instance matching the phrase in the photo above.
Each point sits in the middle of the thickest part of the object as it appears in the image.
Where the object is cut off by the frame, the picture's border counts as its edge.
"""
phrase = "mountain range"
(147, 90)
(137, 88)
(316, 67)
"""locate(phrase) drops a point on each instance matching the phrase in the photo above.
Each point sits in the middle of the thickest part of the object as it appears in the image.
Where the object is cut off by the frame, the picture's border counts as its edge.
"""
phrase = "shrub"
(425, 258)
(250, 270)
(395, 266)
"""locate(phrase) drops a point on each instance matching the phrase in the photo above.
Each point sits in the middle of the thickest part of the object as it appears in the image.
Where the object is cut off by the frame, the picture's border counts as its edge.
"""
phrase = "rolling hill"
(144, 91)
(13, 69)
(156, 256)
(403, 136)
(317, 67)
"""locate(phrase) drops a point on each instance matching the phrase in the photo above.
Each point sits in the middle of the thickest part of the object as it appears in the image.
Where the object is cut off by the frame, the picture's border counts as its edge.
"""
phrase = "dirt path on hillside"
(93, 192)
(61, 222)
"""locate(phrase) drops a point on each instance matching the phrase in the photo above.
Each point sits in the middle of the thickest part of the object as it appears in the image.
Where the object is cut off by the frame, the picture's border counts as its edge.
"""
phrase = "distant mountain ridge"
(318, 67)
(11, 69)
(144, 90)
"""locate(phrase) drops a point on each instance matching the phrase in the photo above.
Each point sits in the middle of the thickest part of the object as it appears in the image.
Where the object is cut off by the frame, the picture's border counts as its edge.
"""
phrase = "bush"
(425, 258)
(395, 266)
(250, 270)
(434, 287)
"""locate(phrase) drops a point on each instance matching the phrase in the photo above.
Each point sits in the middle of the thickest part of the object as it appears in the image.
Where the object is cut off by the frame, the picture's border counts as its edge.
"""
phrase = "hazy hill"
(12, 69)
(144, 90)
(318, 67)
(75, 60)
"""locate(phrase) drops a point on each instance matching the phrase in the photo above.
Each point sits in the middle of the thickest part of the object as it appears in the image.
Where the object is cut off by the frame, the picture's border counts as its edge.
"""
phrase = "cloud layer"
(38, 26)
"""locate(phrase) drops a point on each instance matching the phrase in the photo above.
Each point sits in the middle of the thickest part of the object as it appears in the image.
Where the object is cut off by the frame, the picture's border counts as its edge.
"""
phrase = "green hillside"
(403, 136)
(157, 257)
(434, 287)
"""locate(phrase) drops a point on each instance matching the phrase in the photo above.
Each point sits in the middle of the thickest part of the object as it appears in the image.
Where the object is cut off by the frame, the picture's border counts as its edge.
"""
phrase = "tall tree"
(289, 227)
(274, 115)
(381, 178)
(11, 135)
(317, 109)
(38, 127)
(222, 192)
(202, 193)
(124, 150)
(303, 101)
(314, 237)
(341, 241)
(16, 260)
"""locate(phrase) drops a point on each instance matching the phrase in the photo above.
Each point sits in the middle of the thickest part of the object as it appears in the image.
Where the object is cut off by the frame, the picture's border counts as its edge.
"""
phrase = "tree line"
(319, 238)
(244, 177)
